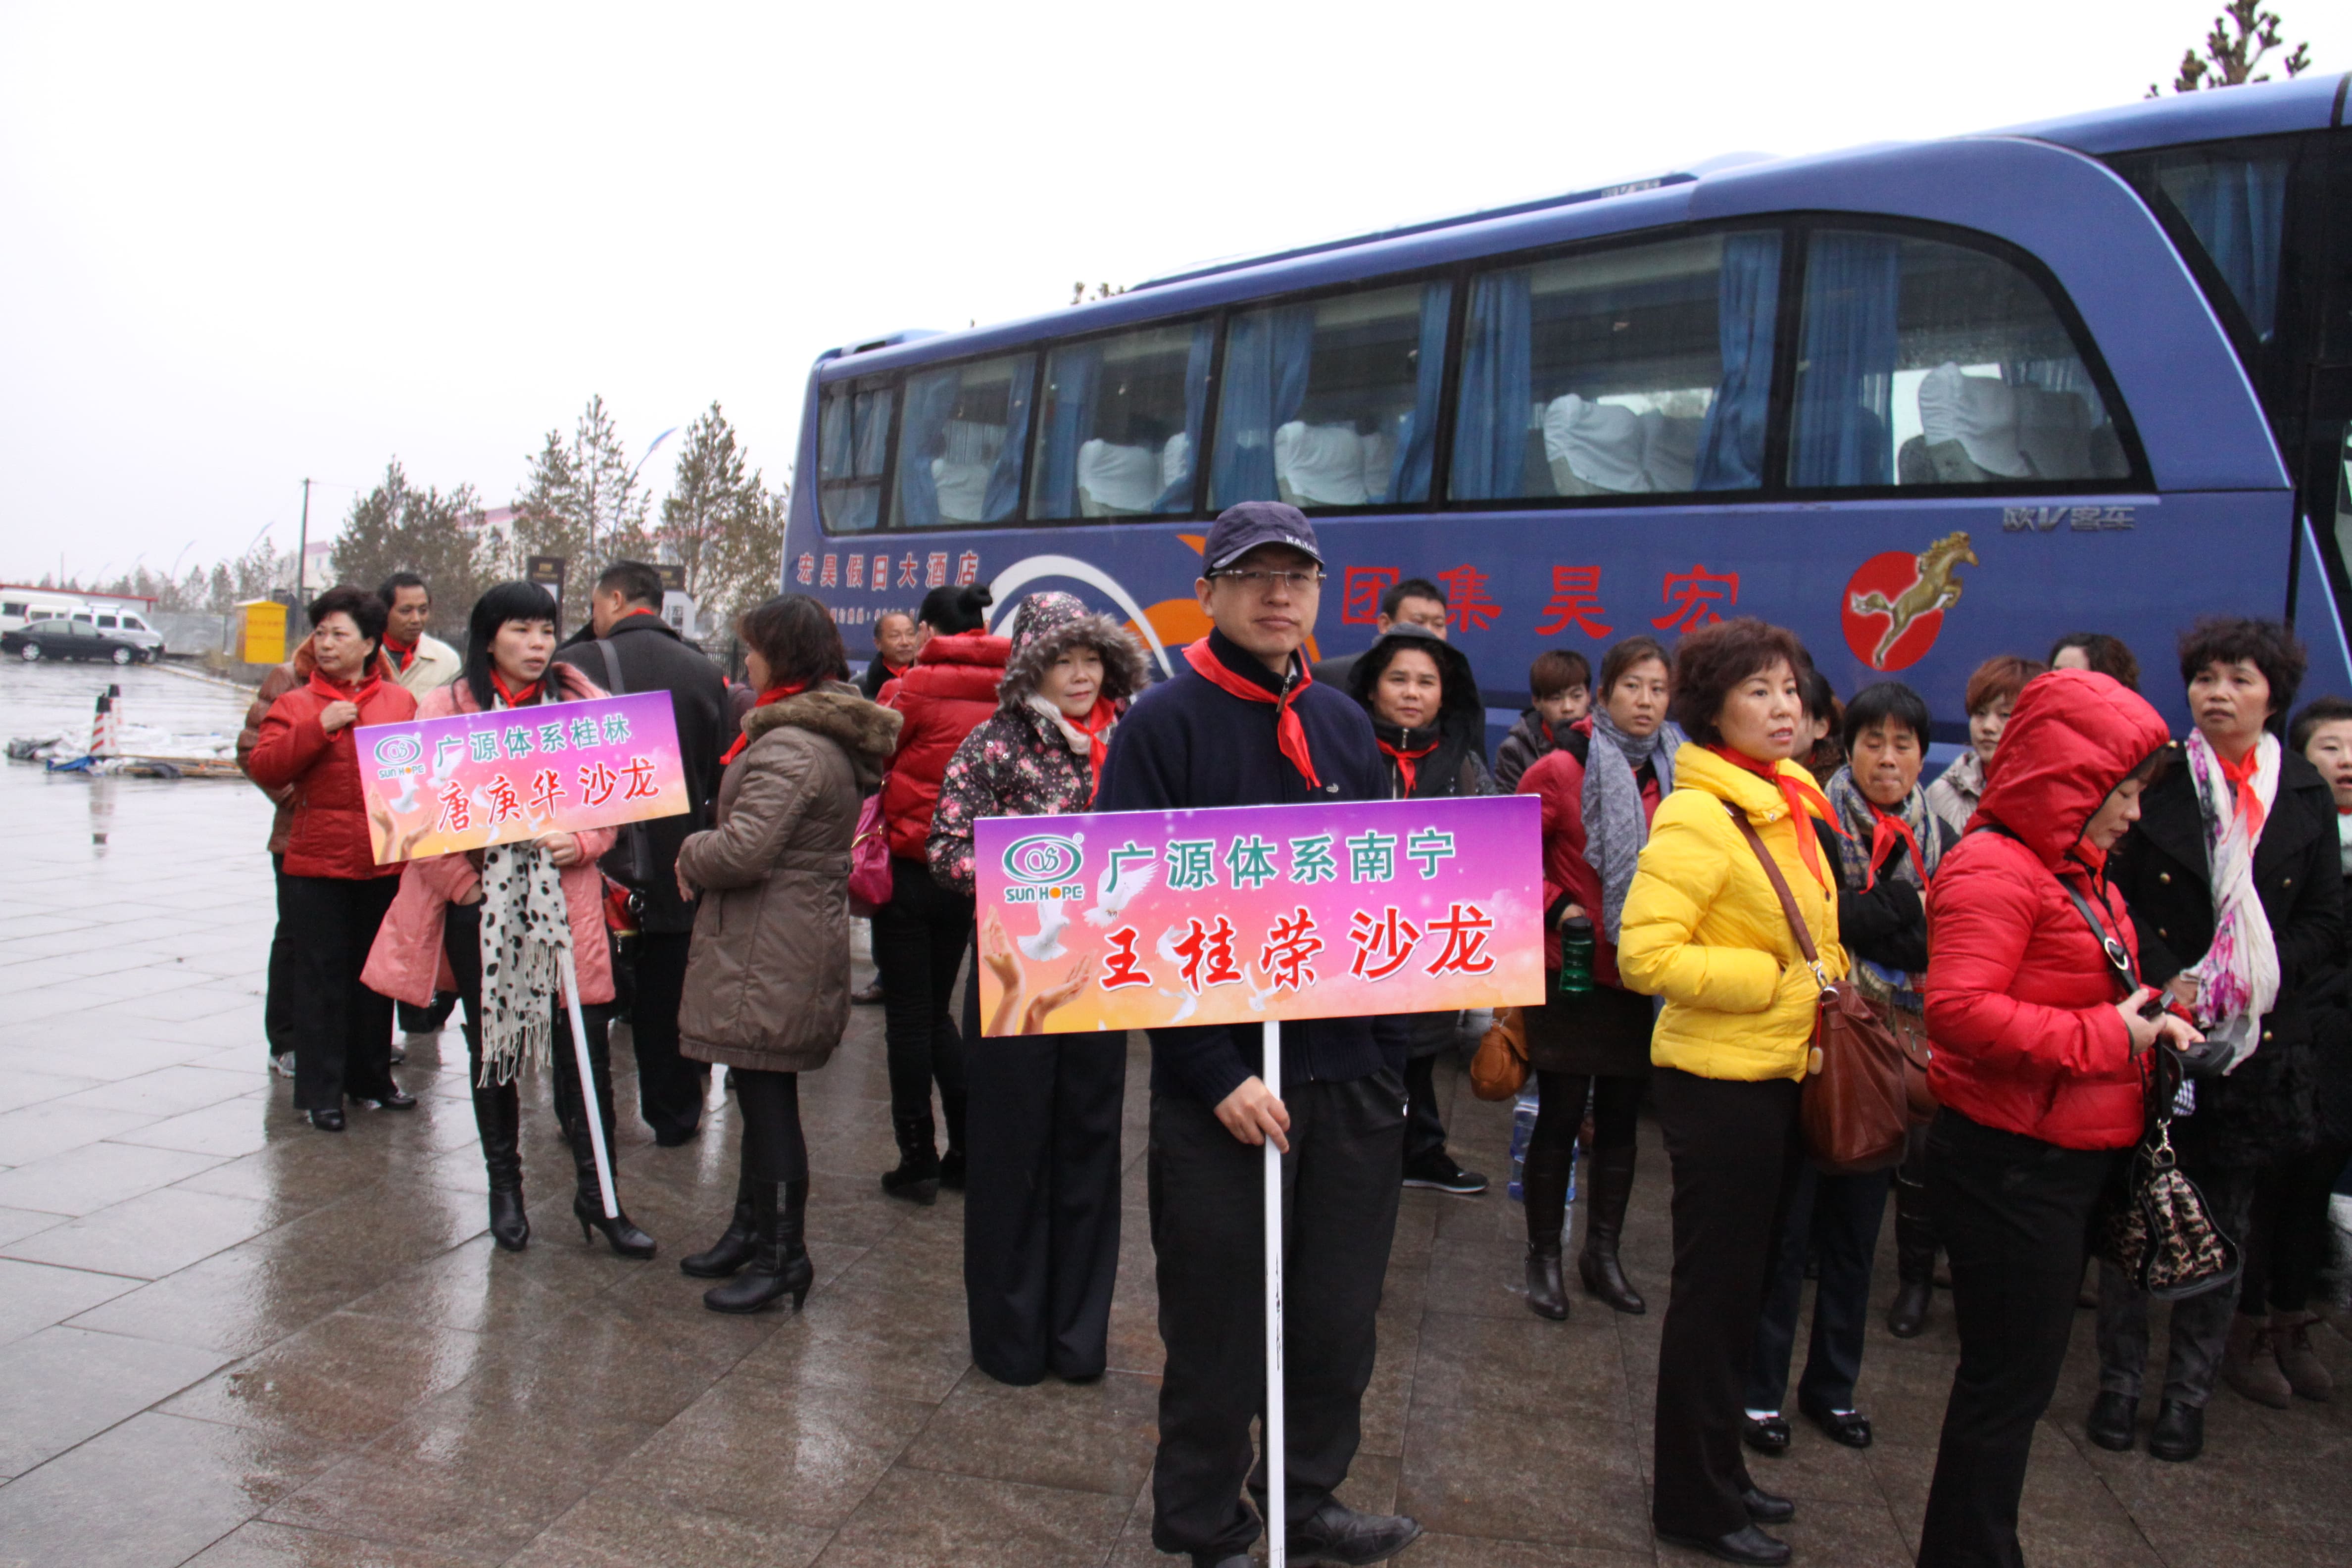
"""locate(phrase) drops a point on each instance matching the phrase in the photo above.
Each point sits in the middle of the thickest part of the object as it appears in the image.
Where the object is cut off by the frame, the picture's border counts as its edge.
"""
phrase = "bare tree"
(2243, 35)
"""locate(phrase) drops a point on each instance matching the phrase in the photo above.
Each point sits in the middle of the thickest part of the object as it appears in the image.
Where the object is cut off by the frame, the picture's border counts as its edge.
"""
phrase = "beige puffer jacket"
(767, 980)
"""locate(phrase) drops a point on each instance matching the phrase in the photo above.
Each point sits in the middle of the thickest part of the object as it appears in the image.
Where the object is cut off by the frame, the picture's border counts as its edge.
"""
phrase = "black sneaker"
(1437, 1172)
(1336, 1534)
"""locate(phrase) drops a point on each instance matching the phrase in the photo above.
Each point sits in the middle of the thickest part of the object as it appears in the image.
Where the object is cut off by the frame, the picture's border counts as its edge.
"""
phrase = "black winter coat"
(654, 658)
(2264, 1109)
(1888, 923)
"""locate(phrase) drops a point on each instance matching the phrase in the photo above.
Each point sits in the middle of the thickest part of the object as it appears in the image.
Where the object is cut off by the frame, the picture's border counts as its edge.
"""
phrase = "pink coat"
(406, 963)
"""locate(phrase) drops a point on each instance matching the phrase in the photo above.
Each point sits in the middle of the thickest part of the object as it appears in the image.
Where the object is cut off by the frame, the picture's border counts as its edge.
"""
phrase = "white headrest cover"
(1601, 441)
(1127, 477)
(1977, 411)
(1320, 463)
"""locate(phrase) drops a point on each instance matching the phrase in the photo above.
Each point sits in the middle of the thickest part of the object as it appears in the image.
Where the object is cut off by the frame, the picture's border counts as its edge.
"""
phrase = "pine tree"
(716, 516)
(2242, 37)
(396, 527)
(583, 502)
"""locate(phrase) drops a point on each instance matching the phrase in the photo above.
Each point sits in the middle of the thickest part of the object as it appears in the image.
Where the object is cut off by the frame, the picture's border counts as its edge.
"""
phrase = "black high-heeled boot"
(952, 1164)
(588, 1200)
(917, 1179)
(1915, 1262)
(498, 1117)
(1543, 1184)
(780, 1266)
(734, 1246)
(1604, 1223)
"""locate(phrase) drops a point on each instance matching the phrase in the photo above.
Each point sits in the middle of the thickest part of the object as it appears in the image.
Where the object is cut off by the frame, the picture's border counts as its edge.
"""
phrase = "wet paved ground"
(228, 1340)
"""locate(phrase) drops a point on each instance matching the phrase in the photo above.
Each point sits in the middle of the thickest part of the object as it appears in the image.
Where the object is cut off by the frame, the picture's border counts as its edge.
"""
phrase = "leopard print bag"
(2153, 1224)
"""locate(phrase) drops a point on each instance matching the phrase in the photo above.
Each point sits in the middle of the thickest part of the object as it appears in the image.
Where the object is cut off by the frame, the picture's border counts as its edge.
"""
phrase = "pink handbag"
(869, 861)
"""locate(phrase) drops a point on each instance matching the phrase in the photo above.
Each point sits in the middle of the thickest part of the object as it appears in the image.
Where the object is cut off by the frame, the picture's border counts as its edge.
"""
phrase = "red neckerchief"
(516, 699)
(773, 694)
(1096, 724)
(1803, 800)
(1886, 830)
(335, 690)
(2241, 775)
(1289, 733)
(1405, 759)
(401, 654)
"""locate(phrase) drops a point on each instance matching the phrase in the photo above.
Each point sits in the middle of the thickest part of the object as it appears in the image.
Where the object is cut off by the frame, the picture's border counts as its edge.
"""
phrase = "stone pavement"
(228, 1340)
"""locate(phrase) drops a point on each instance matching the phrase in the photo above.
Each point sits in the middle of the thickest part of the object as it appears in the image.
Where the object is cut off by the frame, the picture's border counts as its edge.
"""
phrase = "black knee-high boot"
(779, 1264)
(1604, 1223)
(734, 1246)
(498, 1116)
(588, 1199)
(1543, 1183)
(1915, 1262)
(952, 1164)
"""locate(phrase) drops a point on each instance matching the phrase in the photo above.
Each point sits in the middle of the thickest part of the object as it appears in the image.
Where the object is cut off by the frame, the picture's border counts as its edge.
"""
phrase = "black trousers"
(920, 938)
(1425, 1129)
(343, 1030)
(2289, 1242)
(1561, 1099)
(1843, 1215)
(1208, 1236)
(1736, 1152)
(2014, 1216)
(1041, 1202)
(773, 1147)
(671, 1087)
(415, 1020)
(277, 999)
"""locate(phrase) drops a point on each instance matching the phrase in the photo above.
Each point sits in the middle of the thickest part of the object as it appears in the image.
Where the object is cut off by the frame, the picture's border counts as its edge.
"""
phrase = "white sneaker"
(282, 1064)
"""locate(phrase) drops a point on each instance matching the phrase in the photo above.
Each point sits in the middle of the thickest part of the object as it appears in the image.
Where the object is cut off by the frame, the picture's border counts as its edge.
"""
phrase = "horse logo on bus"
(1909, 594)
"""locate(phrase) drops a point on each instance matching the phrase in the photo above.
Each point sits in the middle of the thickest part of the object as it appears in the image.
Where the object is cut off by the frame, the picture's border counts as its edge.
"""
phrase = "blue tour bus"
(1921, 402)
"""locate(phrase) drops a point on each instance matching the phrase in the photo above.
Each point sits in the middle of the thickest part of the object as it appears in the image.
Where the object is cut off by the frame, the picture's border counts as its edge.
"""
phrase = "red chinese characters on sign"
(1290, 948)
(967, 568)
(1467, 929)
(1575, 601)
(856, 571)
(546, 789)
(1383, 943)
(1205, 955)
(1468, 607)
(804, 569)
(456, 812)
(829, 574)
(597, 783)
(935, 570)
(911, 570)
(1121, 967)
(642, 784)
(1360, 603)
(1690, 598)
(505, 804)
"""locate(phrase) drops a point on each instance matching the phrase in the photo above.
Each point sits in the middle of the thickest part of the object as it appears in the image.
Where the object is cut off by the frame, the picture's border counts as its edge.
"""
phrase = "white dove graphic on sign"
(1117, 888)
(1053, 914)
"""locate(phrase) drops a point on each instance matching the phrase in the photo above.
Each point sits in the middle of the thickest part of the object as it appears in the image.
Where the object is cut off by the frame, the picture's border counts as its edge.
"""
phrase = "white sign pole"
(591, 1106)
(1277, 1533)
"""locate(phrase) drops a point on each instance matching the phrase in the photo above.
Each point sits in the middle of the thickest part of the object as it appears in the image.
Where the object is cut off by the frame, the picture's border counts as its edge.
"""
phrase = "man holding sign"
(1244, 723)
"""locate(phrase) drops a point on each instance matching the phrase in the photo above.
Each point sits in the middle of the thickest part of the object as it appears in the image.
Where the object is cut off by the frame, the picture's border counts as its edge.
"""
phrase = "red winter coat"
(1557, 777)
(2021, 999)
(949, 693)
(329, 833)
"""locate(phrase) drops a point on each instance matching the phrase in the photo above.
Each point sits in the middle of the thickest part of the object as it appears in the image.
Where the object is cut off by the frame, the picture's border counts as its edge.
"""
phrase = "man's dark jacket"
(654, 658)
(1188, 744)
(877, 675)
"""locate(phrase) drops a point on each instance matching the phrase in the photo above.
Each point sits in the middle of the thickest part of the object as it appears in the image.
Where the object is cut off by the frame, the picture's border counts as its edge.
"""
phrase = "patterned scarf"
(1872, 832)
(2238, 978)
(1615, 825)
(1089, 738)
(526, 927)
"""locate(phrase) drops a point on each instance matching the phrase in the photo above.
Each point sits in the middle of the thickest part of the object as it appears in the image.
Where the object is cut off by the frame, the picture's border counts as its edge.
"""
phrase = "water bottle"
(1575, 956)
(1523, 1127)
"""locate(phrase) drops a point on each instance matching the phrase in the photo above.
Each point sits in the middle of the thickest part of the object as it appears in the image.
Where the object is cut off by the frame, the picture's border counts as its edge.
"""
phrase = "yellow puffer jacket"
(1704, 929)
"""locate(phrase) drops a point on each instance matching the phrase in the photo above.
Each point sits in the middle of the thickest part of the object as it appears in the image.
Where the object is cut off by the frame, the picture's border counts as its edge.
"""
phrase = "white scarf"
(2238, 978)
(1078, 740)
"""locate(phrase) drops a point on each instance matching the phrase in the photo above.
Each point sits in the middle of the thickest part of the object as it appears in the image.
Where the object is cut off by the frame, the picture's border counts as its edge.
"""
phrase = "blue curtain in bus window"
(1267, 358)
(1002, 499)
(2238, 207)
(931, 399)
(1490, 421)
(1731, 443)
(1852, 285)
(1177, 496)
(1072, 374)
(1416, 446)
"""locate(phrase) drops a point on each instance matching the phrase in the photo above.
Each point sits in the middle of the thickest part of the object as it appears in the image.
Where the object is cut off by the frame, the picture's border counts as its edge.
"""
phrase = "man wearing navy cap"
(1243, 722)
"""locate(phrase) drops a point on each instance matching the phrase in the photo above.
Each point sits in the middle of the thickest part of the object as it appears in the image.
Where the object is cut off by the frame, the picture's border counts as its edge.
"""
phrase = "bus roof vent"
(890, 341)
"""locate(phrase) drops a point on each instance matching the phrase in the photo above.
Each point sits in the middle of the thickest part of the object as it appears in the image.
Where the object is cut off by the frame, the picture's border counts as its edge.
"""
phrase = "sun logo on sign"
(1894, 602)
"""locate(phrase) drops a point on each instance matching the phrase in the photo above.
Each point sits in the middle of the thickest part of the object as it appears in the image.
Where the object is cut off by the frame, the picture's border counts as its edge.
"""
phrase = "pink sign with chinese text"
(436, 786)
(1244, 914)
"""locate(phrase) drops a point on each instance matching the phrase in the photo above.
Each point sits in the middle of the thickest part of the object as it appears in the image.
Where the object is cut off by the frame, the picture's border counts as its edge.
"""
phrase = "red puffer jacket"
(949, 693)
(1558, 778)
(2021, 999)
(329, 835)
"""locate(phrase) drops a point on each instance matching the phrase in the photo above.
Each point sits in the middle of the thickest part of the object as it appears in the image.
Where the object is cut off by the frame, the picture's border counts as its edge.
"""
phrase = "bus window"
(960, 453)
(2233, 200)
(1635, 371)
(853, 442)
(1120, 422)
(1333, 402)
(1926, 364)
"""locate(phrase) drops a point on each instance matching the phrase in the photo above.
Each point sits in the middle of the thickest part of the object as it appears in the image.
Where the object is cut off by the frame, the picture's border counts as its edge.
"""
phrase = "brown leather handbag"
(1499, 1069)
(1855, 1108)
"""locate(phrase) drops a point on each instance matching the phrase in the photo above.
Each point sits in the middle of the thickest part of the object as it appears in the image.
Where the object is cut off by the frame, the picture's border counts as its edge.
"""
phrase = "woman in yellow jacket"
(1705, 930)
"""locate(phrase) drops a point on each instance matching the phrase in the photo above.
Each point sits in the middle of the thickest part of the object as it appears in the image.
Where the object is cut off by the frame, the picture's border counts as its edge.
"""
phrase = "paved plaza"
(228, 1340)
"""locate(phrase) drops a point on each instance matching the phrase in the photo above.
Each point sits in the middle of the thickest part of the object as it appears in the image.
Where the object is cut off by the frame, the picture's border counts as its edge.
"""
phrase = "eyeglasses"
(1267, 582)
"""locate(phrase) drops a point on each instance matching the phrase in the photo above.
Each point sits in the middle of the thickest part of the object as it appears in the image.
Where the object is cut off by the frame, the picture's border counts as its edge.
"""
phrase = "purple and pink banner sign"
(508, 775)
(1249, 914)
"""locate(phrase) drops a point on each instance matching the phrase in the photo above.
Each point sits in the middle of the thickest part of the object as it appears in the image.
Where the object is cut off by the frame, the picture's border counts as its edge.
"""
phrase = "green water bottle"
(1575, 956)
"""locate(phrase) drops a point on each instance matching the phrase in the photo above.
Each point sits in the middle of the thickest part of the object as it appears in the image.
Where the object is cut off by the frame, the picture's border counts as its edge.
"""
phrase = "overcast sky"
(240, 244)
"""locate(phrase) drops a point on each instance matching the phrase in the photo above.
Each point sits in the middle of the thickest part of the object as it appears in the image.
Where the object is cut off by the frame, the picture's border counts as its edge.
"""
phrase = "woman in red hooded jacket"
(2038, 1069)
(920, 935)
(335, 894)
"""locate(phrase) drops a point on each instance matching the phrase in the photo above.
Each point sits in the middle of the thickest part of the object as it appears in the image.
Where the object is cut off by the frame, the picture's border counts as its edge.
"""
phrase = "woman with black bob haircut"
(501, 916)
(767, 979)
(2237, 887)
(1886, 845)
(2098, 652)
(1705, 928)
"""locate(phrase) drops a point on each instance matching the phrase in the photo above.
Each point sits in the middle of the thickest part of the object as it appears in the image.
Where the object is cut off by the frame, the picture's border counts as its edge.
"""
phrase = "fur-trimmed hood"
(866, 730)
(1047, 626)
